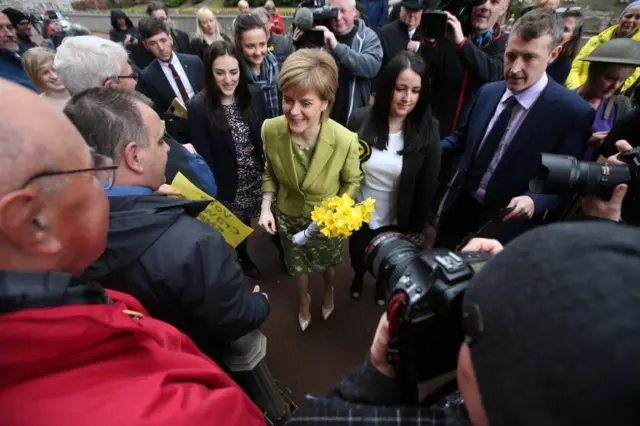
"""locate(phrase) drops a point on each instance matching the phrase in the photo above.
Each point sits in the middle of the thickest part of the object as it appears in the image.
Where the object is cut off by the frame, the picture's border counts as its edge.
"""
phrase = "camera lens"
(387, 253)
(559, 174)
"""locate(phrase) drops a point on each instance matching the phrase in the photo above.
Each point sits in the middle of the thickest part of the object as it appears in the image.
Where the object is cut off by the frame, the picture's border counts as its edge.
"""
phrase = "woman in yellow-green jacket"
(309, 158)
(627, 27)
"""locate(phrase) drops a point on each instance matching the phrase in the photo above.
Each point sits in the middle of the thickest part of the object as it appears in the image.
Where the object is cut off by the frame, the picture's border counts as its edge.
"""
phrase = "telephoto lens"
(561, 174)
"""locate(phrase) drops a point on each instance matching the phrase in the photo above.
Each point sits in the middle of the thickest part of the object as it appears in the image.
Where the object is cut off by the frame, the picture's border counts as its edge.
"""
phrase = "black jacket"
(115, 33)
(457, 74)
(394, 38)
(180, 269)
(199, 45)
(216, 145)
(280, 46)
(418, 179)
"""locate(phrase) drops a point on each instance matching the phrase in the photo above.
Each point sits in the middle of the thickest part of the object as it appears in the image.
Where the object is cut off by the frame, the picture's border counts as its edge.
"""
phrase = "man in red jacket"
(277, 26)
(72, 353)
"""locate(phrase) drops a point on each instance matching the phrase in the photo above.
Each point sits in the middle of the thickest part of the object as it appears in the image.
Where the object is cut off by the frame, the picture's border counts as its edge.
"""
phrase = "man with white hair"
(358, 53)
(88, 61)
(10, 62)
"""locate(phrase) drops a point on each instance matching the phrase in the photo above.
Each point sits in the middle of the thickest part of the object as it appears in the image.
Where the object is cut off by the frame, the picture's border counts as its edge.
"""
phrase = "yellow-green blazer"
(334, 168)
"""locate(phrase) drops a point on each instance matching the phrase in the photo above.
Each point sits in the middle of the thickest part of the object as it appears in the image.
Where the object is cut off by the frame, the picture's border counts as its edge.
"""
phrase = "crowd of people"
(118, 305)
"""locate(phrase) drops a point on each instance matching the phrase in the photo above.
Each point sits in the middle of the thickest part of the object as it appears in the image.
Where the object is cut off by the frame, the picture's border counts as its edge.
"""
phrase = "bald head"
(34, 135)
(47, 222)
(243, 6)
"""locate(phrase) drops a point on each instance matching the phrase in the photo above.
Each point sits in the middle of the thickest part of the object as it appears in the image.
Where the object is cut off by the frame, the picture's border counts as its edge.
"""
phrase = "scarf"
(267, 82)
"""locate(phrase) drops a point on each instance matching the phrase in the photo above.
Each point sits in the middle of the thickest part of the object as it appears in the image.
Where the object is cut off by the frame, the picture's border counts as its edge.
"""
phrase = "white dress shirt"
(183, 76)
(525, 99)
(381, 181)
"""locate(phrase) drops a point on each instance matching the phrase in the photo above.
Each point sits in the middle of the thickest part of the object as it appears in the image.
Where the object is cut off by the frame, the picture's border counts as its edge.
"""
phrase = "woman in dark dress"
(224, 121)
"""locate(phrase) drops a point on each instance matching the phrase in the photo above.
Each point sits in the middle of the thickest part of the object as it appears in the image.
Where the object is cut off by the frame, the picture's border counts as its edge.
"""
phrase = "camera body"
(434, 22)
(561, 174)
(425, 303)
(309, 14)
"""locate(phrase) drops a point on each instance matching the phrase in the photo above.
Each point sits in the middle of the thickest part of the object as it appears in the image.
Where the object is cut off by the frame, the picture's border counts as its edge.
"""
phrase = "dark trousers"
(358, 243)
(467, 216)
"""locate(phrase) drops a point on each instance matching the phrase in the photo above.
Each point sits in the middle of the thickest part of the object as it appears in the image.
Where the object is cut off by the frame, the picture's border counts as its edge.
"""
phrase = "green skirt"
(317, 255)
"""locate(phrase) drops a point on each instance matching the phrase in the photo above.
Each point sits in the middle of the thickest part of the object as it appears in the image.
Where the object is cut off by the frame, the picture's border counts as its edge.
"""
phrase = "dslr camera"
(425, 303)
(562, 174)
(309, 14)
(434, 23)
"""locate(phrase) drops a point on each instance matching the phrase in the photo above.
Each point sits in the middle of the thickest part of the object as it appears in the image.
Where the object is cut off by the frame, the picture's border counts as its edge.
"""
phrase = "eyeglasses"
(562, 10)
(133, 75)
(104, 170)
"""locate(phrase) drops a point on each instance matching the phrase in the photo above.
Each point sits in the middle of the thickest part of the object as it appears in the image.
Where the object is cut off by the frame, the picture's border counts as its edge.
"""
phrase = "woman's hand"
(379, 348)
(267, 221)
(598, 137)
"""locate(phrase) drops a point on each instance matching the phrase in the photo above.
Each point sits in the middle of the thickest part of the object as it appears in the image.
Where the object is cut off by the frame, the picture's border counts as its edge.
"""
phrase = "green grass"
(192, 7)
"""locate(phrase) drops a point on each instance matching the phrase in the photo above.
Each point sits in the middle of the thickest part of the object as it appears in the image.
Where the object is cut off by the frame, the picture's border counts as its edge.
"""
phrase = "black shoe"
(248, 267)
(356, 287)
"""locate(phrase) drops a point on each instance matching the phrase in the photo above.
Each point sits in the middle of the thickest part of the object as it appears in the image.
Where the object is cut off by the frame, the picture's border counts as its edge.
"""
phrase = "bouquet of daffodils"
(337, 217)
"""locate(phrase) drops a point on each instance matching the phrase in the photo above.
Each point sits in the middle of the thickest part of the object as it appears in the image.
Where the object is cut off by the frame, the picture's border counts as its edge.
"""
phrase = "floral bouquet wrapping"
(337, 217)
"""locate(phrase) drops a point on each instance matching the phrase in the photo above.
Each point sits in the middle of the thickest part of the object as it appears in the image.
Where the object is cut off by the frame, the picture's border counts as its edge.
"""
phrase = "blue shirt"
(124, 190)
(11, 69)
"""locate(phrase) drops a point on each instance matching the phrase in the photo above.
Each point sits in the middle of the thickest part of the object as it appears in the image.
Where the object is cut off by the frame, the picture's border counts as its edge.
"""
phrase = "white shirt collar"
(529, 96)
(174, 61)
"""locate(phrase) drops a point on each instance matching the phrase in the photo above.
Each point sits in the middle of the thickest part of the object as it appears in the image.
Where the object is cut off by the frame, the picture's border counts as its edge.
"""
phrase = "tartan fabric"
(267, 82)
(324, 411)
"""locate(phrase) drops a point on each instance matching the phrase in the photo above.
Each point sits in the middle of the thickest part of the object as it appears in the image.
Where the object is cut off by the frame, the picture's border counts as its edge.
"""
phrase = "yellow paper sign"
(216, 214)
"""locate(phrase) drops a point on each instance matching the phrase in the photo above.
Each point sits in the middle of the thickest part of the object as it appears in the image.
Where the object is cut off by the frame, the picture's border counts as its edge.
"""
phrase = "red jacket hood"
(106, 365)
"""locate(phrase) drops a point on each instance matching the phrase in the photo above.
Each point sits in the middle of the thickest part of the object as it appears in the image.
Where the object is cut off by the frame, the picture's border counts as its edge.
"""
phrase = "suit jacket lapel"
(322, 153)
(530, 127)
(487, 110)
(164, 87)
(285, 152)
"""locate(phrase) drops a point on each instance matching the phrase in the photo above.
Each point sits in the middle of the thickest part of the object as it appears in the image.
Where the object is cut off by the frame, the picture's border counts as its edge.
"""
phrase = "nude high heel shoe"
(326, 312)
(304, 323)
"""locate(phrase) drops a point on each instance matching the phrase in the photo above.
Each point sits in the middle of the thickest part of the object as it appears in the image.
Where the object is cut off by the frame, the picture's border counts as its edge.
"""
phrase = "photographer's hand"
(379, 348)
(593, 206)
(454, 33)
(484, 245)
(330, 40)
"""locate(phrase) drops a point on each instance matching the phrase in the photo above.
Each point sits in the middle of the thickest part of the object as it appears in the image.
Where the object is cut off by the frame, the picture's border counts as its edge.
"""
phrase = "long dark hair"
(572, 47)
(212, 91)
(414, 122)
(246, 22)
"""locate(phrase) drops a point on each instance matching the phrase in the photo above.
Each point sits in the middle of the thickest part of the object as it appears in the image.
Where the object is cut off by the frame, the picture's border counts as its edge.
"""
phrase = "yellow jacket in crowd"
(579, 68)
(334, 168)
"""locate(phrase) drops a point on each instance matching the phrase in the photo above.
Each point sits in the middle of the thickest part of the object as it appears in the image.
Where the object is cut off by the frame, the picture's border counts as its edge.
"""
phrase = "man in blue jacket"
(179, 268)
(509, 125)
(10, 62)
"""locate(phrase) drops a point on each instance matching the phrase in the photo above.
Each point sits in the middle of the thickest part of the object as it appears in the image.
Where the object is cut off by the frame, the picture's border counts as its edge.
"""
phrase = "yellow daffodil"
(339, 216)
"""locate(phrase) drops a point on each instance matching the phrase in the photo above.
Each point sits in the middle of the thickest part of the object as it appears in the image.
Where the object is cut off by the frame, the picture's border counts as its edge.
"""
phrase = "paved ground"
(315, 360)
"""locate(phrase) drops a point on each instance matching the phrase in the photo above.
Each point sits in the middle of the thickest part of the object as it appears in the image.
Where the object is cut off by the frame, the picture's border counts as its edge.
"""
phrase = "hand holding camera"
(330, 40)
(594, 206)
(454, 29)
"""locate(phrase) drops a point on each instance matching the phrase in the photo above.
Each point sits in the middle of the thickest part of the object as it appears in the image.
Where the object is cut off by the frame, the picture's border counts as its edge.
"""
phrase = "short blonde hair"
(311, 69)
(36, 61)
(205, 12)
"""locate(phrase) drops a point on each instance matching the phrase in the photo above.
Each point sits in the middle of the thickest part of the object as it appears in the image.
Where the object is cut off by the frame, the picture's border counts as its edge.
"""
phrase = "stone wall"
(36, 6)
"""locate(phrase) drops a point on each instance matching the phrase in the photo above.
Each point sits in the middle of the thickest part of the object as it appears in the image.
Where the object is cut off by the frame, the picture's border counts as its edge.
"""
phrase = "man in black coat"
(461, 62)
(179, 268)
(404, 34)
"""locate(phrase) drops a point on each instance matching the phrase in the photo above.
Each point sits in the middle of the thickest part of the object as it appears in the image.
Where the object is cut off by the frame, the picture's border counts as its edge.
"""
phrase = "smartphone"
(434, 24)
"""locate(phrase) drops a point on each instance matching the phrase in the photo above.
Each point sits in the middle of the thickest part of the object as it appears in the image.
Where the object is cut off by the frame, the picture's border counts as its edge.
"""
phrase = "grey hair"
(108, 118)
(260, 12)
(537, 23)
(87, 61)
(269, 3)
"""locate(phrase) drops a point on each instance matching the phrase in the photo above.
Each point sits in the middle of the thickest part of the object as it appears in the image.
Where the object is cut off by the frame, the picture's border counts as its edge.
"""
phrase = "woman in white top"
(402, 170)
(38, 64)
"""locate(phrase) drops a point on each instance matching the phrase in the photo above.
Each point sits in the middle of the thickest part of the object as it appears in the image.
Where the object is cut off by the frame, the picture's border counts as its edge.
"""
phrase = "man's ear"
(555, 53)
(27, 224)
(132, 157)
